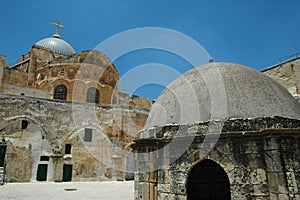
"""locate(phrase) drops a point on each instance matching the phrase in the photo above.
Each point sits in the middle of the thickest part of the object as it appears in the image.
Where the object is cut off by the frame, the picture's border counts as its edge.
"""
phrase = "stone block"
(143, 191)
(273, 196)
(227, 163)
(166, 196)
(255, 161)
(277, 183)
(161, 188)
(273, 161)
(258, 176)
(225, 147)
(180, 197)
(178, 188)
(161, 176)
(271, 144)
(177, 177)
(283, 197)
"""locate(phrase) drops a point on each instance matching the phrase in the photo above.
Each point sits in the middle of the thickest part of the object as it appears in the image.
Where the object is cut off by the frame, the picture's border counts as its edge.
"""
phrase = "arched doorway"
(208, 181)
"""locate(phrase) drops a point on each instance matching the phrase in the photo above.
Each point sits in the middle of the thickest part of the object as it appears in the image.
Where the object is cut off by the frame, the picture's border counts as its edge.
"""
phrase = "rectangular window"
(88, 134)
(68, 149)
(44, 158)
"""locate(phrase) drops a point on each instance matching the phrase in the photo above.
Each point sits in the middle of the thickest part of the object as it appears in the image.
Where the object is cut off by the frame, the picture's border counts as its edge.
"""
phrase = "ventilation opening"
(24, 124)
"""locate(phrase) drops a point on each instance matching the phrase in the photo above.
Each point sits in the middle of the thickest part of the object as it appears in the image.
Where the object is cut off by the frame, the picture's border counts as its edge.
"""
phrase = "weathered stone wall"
(42, 71)
(133, 100)
(288, 75)
(260, 157)
(25, 91)
(2, 67)
(52, 125)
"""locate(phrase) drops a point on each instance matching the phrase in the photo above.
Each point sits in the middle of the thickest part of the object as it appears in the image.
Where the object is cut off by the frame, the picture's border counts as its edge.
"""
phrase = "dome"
(220, 91)
(56, 45)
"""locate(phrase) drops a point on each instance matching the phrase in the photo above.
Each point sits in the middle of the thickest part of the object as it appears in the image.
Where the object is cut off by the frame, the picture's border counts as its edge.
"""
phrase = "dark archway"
(208, 181)
(60, 92)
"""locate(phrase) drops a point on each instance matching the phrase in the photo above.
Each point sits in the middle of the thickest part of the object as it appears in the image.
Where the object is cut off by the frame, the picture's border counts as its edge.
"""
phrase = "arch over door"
(208, 181)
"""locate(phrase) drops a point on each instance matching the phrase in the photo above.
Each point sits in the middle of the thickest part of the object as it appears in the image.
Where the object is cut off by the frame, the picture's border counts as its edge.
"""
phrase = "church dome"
(56, 45)
(221, 91)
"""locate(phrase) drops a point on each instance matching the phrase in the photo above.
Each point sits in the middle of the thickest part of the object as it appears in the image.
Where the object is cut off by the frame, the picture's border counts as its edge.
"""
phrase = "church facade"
(63, 117)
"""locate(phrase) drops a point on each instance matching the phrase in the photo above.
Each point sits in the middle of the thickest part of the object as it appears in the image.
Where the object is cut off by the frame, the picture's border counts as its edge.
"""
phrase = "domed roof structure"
(56, 45)
(221, 91)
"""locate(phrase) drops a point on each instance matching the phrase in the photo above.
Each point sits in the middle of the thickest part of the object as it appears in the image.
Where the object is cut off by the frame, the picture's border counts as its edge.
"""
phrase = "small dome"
(56, 45)
(221, 91)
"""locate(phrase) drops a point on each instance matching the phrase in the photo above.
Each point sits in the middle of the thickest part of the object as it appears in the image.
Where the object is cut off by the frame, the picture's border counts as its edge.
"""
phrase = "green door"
(42, 172)
(2, 155)
(67, 173)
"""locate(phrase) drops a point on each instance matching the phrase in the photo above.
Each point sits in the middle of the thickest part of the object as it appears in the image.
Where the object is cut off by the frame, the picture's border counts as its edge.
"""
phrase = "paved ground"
(65, 191)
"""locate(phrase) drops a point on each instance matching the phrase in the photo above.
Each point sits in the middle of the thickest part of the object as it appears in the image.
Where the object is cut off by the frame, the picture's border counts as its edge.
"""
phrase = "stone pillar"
(275, 169)
(58, 168)
(2, 66)
(289, 152)
(31, 71)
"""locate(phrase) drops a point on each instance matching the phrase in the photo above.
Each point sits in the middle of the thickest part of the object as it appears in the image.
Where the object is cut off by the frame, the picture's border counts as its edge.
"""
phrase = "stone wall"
(287, 74)
(261, 160)
(133, 100)
(34, 127)
(40, 70)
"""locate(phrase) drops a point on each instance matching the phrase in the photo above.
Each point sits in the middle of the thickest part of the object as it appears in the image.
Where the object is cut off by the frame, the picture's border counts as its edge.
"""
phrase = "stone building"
(287, 73)
(63, 117)
(220, 131)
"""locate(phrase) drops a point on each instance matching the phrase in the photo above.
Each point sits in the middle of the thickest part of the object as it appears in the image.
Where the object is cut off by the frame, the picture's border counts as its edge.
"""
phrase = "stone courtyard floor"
(113, 190)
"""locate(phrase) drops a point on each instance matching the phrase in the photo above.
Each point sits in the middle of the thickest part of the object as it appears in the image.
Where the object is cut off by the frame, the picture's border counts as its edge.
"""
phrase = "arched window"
(92, 95)
(60, 92)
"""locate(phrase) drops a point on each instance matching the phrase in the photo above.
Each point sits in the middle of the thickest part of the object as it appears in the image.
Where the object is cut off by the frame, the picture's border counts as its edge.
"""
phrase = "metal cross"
(58, 25)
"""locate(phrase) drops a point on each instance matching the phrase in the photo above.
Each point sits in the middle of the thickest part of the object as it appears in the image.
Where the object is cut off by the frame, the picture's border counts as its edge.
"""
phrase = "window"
(68, 149)
(24, 124)
(88, 134)
(44, 158)
(92, 95)
(60, 92)
(62, 71)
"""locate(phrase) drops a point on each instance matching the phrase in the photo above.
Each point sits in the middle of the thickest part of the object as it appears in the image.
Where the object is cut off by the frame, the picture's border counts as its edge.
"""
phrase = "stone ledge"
(239, 125)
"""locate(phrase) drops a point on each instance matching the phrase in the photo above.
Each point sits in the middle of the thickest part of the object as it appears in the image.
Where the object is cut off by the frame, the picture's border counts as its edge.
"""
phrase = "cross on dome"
(58, 26)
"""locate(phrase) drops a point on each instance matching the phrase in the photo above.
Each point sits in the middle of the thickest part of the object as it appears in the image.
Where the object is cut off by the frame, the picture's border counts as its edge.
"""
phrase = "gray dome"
(56, 45)
(220, 91)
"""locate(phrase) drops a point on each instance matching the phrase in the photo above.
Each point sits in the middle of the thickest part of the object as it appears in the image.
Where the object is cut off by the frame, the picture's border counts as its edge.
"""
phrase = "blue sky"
(256, 33)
